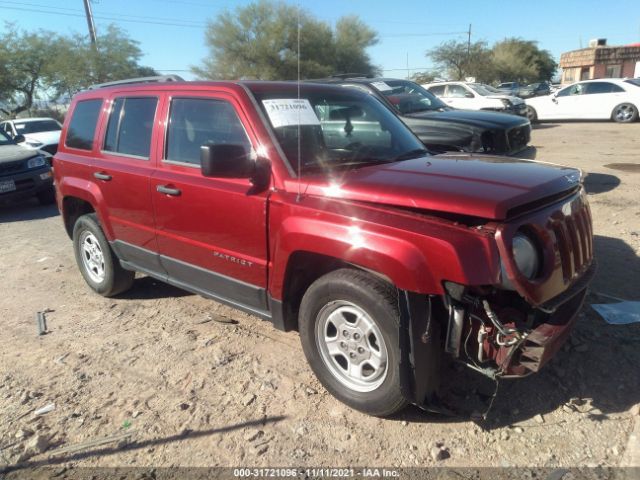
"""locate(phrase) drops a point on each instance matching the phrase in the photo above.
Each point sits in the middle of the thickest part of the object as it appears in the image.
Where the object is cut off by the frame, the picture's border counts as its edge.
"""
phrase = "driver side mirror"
(468, 95)
(226, 161)
(19, 138)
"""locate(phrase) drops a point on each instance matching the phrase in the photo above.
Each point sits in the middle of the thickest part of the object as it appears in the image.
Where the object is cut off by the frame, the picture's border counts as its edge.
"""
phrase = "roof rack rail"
(157, 78)
(345, 76)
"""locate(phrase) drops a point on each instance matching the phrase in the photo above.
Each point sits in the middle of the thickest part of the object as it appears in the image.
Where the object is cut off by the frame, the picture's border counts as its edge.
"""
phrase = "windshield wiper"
(418, 152)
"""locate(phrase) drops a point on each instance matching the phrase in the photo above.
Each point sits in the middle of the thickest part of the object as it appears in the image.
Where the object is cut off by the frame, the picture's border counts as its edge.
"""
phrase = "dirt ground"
(195, 383)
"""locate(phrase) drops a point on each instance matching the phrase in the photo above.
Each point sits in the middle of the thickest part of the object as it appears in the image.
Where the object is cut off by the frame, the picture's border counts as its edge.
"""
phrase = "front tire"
(625, 113)
(349, 329)
(98, 264)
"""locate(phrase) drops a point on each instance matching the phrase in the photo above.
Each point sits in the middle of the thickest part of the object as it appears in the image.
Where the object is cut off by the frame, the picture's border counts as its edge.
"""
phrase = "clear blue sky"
(171, 32)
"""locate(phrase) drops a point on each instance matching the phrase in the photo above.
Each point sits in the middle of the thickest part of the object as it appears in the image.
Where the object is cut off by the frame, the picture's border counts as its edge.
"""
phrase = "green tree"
(459, 60)
(80, 65)
(260, 41)
(520, 60)
(351, 40)
(424, 77)
(25, 59)
(43, 64)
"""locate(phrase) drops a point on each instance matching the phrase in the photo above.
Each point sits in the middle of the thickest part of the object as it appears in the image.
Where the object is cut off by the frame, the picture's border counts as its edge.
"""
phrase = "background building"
(600, 61)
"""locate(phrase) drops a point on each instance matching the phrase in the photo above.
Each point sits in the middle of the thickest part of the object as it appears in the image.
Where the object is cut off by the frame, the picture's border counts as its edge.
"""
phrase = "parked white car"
(476, 96)
(603, 99)
(39, 133)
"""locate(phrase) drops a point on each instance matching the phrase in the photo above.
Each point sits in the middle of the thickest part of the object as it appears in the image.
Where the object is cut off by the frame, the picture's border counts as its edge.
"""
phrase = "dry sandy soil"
(163, 365)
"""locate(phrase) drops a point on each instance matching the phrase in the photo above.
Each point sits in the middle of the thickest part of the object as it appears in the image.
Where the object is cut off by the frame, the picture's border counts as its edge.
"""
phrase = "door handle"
(168, 190)
(102, 176)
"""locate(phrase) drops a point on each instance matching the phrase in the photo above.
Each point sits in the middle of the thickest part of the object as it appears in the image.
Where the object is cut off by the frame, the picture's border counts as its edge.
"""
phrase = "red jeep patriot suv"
(316, 208)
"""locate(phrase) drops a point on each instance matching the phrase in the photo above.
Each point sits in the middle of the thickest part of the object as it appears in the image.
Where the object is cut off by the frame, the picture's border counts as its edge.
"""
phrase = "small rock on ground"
(439, 453)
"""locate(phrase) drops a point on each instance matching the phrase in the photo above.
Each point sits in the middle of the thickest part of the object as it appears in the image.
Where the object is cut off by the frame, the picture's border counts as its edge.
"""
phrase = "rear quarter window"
(82, 126)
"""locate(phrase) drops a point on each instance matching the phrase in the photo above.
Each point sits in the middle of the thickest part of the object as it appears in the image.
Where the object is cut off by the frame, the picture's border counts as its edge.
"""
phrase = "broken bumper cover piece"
(544, 341)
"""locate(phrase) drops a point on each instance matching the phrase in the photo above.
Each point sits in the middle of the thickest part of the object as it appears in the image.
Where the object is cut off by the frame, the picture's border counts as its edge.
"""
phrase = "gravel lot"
(195, 383)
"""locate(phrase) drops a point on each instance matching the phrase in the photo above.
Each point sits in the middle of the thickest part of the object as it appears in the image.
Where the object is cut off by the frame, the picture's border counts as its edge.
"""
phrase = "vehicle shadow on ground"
(26, 210)
(528, 153)
(139, 445)
(148, 288)
(542, 126)
(594, 375)
(595, 183)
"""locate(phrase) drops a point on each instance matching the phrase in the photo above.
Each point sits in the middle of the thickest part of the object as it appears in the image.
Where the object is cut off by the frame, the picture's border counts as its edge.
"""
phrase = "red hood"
(475, 185)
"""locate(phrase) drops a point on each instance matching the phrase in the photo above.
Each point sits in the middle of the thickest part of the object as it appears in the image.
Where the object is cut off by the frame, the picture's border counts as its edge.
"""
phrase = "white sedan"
(603, 99)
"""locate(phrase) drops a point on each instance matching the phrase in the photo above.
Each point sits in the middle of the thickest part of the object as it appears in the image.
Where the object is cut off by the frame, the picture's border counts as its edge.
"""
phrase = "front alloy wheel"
(350, 328)
(351, 346)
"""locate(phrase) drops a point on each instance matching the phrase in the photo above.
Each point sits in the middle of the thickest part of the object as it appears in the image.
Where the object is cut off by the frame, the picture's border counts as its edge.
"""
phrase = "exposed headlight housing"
(506, 103)
(36, 162)
(527, 258)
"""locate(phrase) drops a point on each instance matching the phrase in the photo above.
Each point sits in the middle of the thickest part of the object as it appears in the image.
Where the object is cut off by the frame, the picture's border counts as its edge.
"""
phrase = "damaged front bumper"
(502, 337)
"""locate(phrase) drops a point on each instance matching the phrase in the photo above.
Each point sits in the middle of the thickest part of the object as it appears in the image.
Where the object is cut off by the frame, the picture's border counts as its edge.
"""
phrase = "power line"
(118, 14)
(434, 34)
(102, 17)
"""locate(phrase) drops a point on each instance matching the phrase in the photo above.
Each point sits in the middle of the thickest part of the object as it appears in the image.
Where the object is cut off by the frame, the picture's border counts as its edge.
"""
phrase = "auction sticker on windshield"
(285, 112)
(382, 86)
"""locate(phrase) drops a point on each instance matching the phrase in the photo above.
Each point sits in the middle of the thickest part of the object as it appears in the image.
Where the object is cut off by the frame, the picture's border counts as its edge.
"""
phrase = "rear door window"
(194, 122)
(439, 90)
(602, 87)
(82, 126)
(130, 126)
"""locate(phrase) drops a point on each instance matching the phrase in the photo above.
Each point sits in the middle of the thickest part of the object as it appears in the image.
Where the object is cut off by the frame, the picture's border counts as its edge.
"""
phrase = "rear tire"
(349, 328)
(98, 264)
(47, 196)
(625, 113)
(531, 114)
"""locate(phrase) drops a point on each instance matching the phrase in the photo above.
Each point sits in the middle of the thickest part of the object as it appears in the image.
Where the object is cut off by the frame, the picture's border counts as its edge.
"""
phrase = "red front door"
(212, 233)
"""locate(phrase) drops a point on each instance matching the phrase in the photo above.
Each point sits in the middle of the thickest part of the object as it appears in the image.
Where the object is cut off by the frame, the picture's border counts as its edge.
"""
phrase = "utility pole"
(408, 73)
(90, 24)
(469, 41)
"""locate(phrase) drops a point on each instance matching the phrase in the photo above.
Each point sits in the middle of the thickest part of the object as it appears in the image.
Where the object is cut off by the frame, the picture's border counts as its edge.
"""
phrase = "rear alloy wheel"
(349, 329)
(531, 113)
(98, 264)
(625, 113)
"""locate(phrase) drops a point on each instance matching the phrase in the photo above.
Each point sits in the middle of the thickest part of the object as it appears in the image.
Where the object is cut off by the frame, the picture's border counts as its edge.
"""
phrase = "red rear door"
(122, 169)
(212, 233)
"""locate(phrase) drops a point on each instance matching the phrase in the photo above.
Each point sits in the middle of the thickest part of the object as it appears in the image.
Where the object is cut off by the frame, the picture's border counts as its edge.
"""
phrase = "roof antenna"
(298, 87)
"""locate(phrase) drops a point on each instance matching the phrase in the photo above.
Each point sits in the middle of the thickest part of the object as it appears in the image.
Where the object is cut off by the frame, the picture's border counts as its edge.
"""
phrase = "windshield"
(634, 81)
(408, 97)
(4, 139)
(36, 126)
(339, 128)
(481, 89)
